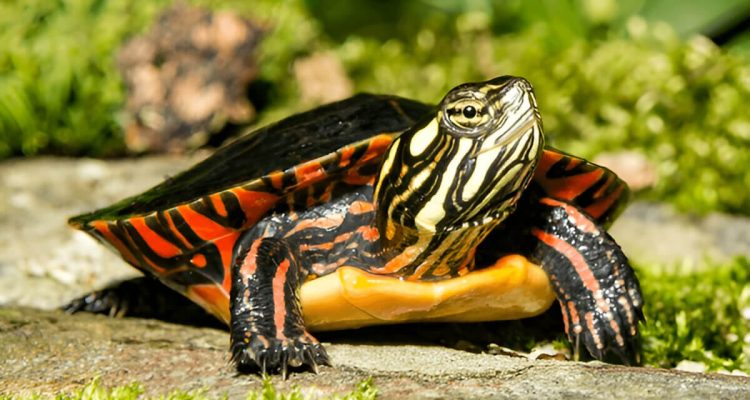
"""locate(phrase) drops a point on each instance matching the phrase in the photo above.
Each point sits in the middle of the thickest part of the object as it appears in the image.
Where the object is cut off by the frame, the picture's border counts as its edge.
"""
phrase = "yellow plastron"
(512, 288)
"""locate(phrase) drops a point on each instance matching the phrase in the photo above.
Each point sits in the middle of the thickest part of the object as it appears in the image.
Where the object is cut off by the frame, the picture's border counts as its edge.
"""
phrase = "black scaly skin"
(615, 331)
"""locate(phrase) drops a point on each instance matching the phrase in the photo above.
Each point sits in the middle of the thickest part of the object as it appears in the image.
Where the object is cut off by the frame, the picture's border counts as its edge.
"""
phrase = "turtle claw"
(266, 355)
(104, 301)
(606, 326)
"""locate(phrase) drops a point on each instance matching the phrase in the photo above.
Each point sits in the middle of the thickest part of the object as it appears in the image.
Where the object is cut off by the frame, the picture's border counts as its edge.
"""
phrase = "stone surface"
(657, 234)
(49, 352)
(43, 264)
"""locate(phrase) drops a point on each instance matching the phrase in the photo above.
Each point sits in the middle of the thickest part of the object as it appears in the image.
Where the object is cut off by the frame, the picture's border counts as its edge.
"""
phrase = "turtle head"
(465, 166)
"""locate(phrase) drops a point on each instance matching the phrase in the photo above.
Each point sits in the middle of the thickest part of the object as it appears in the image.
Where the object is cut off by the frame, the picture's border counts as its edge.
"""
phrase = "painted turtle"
(379, 209)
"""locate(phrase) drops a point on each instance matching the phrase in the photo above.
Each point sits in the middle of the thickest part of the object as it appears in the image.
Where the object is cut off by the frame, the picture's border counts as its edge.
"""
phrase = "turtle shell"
(184, 230)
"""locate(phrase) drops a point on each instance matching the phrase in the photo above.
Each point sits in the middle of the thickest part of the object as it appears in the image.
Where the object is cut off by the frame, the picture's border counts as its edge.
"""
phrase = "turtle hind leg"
(142, 297)
(597, 289)
(267, 329)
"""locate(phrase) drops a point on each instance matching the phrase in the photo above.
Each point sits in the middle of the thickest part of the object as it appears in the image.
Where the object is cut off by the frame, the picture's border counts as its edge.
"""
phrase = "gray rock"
(49, 352)
(43, 262)
(652, 233)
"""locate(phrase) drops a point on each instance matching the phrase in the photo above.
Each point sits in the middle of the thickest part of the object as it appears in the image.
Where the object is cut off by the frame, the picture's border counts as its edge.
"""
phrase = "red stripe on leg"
(573, 255)
(249, 263)
(580, 265)
(279, 302)
(583, 222)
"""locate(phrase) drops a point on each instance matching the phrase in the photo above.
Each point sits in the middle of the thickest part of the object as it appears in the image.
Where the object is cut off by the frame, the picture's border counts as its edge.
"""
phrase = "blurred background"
(657, 90)
(661, 86)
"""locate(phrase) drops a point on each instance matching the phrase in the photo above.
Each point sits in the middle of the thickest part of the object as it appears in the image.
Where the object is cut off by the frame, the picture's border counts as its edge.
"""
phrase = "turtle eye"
(469, 112)
(466, 115)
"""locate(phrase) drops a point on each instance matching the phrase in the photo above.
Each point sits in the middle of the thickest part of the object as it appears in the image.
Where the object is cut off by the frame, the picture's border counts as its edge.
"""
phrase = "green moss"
(701, 316)
(94, 390)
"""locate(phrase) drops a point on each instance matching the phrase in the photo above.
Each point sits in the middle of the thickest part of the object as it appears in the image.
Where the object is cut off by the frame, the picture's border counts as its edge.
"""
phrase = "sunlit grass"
(701, 316)
(96, 390)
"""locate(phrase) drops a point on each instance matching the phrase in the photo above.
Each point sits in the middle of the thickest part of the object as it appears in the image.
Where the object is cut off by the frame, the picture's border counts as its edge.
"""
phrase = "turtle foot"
(104, 301)
(598, 290)
(606, 323)
(258, 353)
(142, 298)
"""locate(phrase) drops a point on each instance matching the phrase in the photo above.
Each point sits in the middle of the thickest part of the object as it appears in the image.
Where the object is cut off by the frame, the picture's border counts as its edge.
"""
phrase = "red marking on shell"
(573, 164)
(377, 146)
(198, 260)
(162, 247)
(102, 227)
(549, 158)
(603, 204)
(277, 179)
(581, 221)
(175, 231)
(611, 178)
(279, 300)
(212, 298)
(158, 269)
(218, 205)
(346, 156)
(342, 237)
(254, 204)
(567, 187)
(309, 173)
(206, 228)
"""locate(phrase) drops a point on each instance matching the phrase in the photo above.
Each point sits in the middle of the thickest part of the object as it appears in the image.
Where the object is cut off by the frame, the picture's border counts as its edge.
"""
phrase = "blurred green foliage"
(701, 316)
(59, 88)
(606, 80)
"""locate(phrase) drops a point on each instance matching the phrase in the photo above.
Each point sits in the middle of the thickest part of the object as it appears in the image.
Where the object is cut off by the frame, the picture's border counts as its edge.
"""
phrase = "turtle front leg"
(597, 289)
(267, 329)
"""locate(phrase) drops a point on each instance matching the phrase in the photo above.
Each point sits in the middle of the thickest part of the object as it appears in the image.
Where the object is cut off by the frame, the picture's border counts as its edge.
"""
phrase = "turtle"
(377, 210)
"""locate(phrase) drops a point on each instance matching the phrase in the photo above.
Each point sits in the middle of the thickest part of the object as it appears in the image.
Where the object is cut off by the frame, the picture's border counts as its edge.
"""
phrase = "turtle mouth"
(514, 134)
